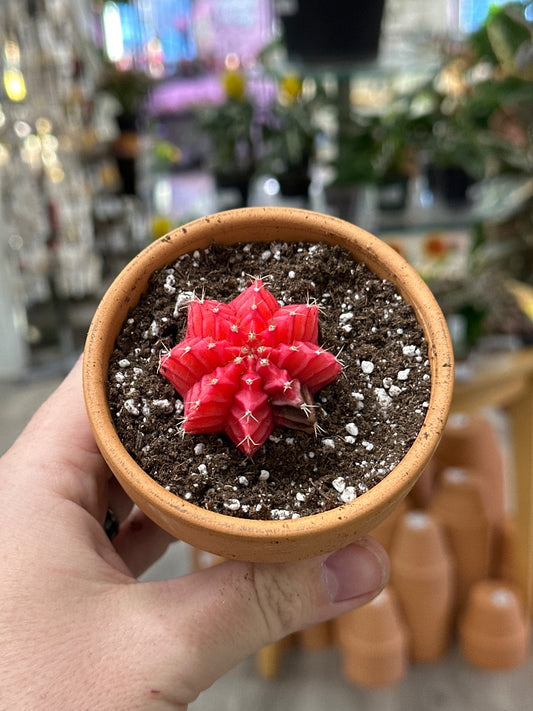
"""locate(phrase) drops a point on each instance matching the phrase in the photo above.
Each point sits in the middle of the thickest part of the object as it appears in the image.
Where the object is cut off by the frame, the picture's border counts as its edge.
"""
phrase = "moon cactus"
(248, 366)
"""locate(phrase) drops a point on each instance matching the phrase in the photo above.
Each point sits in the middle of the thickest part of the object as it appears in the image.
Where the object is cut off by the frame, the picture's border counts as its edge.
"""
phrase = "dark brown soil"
(368, 417)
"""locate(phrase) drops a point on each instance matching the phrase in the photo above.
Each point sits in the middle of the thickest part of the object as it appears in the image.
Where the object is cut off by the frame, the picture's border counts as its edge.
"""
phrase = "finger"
(216, 618)
(73, 467)
(140, 542)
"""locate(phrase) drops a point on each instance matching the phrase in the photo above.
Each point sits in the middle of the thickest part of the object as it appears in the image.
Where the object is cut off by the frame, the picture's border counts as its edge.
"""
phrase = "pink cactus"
(247, 366)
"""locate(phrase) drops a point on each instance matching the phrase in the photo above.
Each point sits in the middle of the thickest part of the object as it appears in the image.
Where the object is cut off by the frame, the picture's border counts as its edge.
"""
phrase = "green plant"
(486, 126)
(379, 147)
(288, 127)
(504, 40)
(287, 124)
(228, 127)
(474, 114)
(128, 87)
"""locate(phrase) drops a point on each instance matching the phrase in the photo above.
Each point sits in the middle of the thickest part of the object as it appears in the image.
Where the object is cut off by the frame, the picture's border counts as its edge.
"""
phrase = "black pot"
(127, 123)
(294, 184)
(128, 174)
(239, 182)
(332, 32)
(451, 184)
(342, 200)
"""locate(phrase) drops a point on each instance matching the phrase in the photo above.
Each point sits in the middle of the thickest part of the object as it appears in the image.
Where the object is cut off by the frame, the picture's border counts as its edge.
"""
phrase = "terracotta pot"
(494, 632)
(459, 506)
(470, 441)
(422, 492)
(385, 532)
(317, 636)
(233, 537)
(268, 661)
(506, 566)
(423, 580)
(374, 642)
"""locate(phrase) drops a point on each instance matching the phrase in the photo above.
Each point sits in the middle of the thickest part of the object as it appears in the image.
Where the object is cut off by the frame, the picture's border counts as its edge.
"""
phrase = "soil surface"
(368, 417)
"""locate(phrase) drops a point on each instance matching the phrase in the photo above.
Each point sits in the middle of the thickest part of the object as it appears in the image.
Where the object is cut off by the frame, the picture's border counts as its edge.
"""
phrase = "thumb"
(223, 614)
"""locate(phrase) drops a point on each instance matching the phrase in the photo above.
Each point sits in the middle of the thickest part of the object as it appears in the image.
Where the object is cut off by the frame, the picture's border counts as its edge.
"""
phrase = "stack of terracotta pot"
(451, 550)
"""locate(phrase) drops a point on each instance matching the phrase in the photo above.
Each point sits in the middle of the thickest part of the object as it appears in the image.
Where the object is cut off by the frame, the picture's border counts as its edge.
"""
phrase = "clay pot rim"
(287, 539)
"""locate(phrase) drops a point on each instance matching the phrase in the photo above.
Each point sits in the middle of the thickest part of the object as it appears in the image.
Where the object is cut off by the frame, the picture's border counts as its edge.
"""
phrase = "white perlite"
(232, 504)
(339, 484)
(352, 429)
(384, 400)
(359, 400)
(280, 514)
(163, 404)
(131, 407)
(409, 350)
(347, 316)
(153, 330)
(349, 494)
(367, 366)
(169, 285)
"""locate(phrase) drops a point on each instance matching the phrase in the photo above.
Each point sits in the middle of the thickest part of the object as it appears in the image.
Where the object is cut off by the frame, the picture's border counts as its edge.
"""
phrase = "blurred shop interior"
(121, 120)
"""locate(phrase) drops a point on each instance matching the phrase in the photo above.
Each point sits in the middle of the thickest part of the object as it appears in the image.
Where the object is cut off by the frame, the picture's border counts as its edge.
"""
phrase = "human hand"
(78, 631)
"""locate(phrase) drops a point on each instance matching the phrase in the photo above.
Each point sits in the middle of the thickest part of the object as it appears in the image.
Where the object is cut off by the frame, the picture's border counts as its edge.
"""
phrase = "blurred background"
(122, 120)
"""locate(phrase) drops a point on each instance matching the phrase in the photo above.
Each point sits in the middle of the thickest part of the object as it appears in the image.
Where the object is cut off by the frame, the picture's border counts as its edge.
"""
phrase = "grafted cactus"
(248, 366)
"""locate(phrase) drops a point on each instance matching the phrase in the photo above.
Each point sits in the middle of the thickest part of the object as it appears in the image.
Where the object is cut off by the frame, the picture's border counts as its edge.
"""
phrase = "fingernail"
(359, 569)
